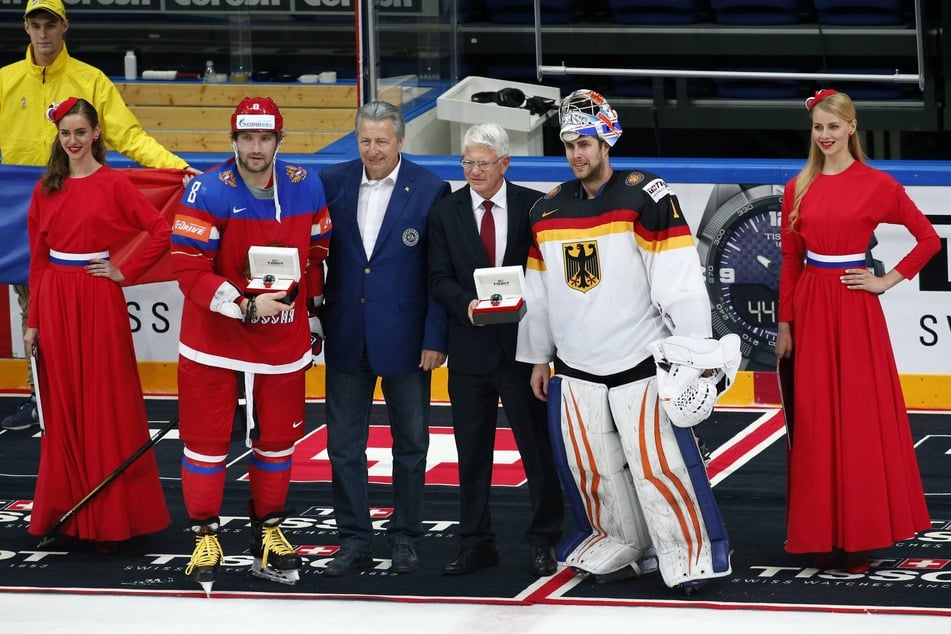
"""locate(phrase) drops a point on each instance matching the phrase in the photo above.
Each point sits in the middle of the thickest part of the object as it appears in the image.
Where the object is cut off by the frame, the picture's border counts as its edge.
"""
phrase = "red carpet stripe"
(746, 445)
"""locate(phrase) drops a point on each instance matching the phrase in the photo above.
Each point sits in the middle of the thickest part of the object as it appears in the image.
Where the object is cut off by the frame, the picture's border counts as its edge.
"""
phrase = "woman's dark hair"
(57, 168)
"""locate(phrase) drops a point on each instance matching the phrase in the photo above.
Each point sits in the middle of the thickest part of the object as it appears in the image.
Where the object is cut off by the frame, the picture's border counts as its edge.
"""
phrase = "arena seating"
(523, 11)
(656, 11)
(195, 117)
(861, 12)
(757, 12)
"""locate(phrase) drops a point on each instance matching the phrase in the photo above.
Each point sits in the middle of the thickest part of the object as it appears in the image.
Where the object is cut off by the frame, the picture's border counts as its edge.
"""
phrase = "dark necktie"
(487, 231)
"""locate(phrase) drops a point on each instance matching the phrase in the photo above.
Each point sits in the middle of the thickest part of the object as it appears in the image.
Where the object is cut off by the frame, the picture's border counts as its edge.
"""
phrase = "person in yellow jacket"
(27, 89)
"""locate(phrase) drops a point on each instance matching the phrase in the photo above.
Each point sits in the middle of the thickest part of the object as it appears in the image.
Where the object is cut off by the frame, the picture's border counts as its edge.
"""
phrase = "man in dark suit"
(465, 235)
(380, 322)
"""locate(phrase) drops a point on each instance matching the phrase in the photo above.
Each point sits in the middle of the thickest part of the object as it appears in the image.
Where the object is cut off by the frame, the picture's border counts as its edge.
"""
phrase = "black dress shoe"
(347, 561)
(404, 558)
(471, 559)
(543, 563)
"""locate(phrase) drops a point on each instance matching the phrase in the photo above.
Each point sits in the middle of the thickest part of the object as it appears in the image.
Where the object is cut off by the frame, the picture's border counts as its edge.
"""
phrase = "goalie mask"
(587, 113)
(685, 394)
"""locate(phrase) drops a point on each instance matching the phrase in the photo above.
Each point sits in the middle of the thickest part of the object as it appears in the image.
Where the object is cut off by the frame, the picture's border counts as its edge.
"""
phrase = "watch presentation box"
(273, 269)
(500, 295)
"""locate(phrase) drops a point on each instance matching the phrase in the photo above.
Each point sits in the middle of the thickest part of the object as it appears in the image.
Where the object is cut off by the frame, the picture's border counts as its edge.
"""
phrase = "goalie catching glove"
(693, 373)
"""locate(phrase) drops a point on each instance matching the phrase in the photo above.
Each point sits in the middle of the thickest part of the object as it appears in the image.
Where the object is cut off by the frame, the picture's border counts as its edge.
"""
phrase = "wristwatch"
(739, 246)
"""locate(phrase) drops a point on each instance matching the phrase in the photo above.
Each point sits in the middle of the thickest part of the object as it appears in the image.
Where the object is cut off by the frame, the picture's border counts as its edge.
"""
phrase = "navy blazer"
(384, 301)
(455, 251)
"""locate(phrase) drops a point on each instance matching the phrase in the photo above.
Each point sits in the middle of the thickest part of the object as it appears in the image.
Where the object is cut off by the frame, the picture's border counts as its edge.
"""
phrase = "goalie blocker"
(651, 487)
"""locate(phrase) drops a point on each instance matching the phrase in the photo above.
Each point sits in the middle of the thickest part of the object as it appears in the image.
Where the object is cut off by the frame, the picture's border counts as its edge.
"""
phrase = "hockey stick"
(50, 536)
(36, 388)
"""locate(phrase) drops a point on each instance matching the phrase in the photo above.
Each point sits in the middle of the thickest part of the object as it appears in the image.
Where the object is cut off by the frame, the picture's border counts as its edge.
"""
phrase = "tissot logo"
(17, 505)
(919, 563)
(312, 464)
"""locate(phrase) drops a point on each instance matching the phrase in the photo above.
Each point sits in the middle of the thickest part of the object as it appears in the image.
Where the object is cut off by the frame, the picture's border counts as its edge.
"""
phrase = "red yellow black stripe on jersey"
(631, 203)
(564, 230)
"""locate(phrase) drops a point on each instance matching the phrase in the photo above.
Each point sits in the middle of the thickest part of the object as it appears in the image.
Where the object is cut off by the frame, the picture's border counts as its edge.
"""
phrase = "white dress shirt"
(499, 215)
(371, 206)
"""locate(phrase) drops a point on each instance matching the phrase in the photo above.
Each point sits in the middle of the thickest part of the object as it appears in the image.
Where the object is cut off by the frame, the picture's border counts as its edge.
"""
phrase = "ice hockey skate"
(274, 557)
(207, 556)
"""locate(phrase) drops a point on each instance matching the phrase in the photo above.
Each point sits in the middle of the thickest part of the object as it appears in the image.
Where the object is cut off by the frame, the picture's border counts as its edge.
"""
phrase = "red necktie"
(487, 231)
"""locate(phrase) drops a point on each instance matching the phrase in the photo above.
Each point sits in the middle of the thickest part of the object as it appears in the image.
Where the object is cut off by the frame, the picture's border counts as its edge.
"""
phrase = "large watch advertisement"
(739, 244)
(737, 238)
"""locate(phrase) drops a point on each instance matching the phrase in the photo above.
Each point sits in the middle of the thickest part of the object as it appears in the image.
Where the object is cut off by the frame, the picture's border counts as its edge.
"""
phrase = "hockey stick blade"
(50, 536)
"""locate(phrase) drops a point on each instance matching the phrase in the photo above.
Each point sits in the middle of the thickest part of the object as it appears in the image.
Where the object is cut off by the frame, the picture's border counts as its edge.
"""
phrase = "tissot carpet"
(747, 467)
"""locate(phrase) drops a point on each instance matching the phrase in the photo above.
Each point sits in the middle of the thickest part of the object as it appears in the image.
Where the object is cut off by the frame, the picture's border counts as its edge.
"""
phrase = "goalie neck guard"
(686, 395)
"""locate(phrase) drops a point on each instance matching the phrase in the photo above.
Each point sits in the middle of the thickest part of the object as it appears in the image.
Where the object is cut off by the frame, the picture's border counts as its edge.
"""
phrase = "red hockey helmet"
(257, 113)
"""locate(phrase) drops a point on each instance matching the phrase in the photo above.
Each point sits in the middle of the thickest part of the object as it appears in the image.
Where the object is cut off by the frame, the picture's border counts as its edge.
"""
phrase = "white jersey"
(609, 275)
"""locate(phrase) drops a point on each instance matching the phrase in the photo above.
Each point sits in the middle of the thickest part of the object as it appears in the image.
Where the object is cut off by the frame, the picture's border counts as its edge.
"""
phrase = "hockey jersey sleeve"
(320, 233)
(194, 244)
(535, 342)
(672, 262)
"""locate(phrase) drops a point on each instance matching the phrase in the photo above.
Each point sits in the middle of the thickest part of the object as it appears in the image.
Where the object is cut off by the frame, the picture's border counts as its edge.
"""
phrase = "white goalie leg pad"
(596, 460)
(672, 486)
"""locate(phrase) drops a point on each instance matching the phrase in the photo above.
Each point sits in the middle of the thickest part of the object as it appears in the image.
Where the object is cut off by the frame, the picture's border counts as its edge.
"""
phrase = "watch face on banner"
(740, 253)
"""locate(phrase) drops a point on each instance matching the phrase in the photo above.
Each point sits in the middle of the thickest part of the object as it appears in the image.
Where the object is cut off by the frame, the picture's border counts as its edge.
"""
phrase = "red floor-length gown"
(854, 482)
(89, 384)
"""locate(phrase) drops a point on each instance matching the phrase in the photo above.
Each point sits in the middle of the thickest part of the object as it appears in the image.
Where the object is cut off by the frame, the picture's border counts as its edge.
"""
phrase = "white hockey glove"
(225, 301)
(685, 394)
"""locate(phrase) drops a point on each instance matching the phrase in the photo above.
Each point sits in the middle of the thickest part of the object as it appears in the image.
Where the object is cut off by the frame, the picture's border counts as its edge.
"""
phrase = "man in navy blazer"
(482, 365)
(380, 321)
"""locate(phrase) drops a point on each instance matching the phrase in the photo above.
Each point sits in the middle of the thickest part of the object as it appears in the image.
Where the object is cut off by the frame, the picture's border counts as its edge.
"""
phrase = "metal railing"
(896, 77)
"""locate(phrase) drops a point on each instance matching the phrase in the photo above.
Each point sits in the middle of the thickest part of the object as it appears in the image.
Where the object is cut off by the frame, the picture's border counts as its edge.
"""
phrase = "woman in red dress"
(854, 484)
(93, 411)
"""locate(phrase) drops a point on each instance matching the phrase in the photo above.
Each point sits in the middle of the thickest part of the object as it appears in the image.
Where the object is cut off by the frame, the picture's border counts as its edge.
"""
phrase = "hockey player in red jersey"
(252, 200)
(612, 275)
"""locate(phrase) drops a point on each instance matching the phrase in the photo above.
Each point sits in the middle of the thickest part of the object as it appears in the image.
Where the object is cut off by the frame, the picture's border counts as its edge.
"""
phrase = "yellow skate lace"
(207, 553)
(274, 541)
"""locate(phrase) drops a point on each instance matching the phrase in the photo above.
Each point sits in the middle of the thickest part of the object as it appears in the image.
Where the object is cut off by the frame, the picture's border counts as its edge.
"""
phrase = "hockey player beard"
(255, 162)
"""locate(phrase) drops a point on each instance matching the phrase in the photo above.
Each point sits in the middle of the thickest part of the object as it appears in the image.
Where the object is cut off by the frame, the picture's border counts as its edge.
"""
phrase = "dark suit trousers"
(474, 399)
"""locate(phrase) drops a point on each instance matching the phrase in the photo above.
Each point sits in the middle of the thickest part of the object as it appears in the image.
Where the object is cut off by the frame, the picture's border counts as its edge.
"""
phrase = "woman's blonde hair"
(839, 105)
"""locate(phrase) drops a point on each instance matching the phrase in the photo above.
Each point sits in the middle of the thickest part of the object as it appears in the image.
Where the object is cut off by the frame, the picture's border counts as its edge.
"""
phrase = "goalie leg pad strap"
(602, 485)
(673, 488)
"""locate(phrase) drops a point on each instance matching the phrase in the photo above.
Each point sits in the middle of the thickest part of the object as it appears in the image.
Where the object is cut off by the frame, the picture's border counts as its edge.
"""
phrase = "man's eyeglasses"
(483, 165)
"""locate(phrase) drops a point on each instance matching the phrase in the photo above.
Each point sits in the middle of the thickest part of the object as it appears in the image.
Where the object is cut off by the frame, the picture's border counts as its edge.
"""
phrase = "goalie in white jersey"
(612, 273)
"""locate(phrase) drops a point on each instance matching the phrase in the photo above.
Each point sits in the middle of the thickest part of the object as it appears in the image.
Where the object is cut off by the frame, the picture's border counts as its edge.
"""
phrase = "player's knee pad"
(672, 486)
(603, 491)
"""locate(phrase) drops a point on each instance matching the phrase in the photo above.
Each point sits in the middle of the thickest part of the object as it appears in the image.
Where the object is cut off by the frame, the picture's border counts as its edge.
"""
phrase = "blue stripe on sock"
(263, 465)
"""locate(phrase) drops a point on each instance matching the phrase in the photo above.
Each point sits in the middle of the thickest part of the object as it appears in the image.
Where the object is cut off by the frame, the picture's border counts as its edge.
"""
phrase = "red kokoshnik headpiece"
(57, 111)
(819, 96)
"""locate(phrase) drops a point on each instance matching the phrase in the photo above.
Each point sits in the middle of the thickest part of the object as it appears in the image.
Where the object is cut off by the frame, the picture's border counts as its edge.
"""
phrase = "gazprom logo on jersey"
(254, 122)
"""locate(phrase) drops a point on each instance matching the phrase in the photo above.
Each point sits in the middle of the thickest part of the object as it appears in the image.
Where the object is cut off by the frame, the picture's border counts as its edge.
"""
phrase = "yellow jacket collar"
(58, 66)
